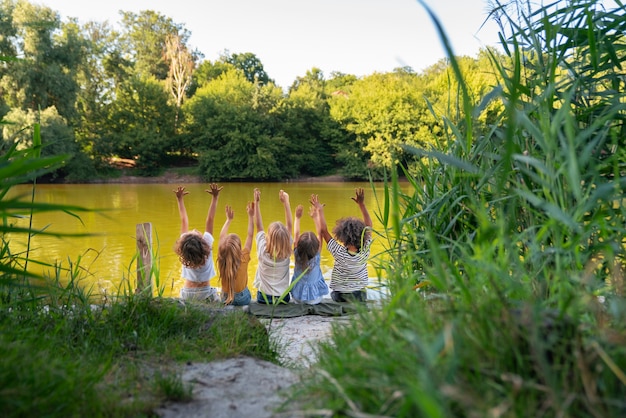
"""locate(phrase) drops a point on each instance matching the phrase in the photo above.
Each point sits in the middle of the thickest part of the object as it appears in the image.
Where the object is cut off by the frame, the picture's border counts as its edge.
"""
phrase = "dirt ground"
(247, 387)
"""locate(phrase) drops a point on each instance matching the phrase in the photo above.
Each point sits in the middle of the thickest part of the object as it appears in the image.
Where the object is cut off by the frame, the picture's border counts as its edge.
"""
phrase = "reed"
(506, 258)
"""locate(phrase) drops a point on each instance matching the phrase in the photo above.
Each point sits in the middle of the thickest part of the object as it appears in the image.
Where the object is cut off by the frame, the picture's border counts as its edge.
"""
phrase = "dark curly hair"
(351, 231)
(192, 250)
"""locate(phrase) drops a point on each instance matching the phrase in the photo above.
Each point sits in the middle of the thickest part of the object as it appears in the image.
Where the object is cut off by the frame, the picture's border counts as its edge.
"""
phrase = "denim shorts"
(199, 293)
(241, 298)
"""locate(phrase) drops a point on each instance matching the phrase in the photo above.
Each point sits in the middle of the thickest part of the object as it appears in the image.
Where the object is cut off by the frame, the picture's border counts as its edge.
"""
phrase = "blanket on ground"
(291, 310)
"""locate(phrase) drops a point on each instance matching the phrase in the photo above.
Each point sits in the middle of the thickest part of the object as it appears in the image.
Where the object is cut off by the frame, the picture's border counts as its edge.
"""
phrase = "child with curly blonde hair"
(274, 253)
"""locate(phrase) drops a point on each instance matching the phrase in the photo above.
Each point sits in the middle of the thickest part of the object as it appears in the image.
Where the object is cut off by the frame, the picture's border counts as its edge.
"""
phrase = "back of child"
(308, 282)
(274, 254)
(233, 259)
(351, 249)
(195, 250)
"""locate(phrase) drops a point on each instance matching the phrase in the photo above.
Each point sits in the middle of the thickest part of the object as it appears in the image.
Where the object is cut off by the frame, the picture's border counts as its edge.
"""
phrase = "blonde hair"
(278, 241)
(228, 262)
(192, 250)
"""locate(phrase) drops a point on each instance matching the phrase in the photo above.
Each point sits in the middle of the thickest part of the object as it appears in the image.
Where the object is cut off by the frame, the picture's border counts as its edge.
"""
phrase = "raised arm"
(284, 198)
(360, 200)
(296, 224)
(182, 211)
(229, 218)
(316, 220)
(214, 190)
(250, 233)
(257, 210)
(319, 208)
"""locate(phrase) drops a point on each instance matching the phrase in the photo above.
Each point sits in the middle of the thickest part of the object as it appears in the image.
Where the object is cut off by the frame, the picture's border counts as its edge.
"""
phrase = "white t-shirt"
(272, 276)
(205, 272)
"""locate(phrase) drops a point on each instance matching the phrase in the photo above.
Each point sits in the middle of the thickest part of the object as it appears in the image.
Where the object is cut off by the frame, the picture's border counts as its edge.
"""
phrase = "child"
(350, 249)
(232, 260)
(194, 250)
(309, 287)
(274, 252)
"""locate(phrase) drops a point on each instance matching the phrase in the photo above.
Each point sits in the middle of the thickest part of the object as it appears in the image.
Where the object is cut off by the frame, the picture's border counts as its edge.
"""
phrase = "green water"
(107, 255)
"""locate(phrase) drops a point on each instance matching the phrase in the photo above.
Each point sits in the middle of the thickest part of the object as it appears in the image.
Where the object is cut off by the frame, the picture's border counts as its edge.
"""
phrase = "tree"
(228, 124)
(145, 36)
(250, 65)
(382, 111)
(141, 124)
(45, 74)
(181, 70)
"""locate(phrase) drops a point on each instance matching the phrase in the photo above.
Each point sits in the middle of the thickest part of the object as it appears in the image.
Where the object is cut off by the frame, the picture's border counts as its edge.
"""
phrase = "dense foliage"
(507, 280)
(142, 93)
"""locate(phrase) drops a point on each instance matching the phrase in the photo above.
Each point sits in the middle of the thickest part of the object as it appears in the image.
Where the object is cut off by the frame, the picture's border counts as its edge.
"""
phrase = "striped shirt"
(350, 270)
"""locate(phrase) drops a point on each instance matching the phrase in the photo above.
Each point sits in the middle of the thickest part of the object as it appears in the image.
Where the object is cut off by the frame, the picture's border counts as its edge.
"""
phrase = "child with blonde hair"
(274, 253)
(350, 248)
(308, 282)
(233, 259)
(195, 250)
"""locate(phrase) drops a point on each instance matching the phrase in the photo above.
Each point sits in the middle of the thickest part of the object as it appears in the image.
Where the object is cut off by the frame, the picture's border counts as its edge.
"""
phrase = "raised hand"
(214, 189)
(180, 192)
(299, 210)
(283, 196)
(315, 202)
(360, 196)
(229, 213)
(257, 195)
(250, 209)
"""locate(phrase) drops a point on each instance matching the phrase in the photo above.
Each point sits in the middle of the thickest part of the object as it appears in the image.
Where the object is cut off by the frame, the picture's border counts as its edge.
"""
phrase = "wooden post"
(144, 259)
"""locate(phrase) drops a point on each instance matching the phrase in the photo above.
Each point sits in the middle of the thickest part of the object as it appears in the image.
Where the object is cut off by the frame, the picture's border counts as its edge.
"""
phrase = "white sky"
(357, 37)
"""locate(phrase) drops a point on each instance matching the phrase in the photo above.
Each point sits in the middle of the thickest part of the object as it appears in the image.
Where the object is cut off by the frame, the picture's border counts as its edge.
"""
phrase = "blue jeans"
(241, 298)
(271, 300)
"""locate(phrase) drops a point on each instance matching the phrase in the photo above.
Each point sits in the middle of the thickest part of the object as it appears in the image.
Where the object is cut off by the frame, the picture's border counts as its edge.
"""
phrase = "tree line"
(140, 92)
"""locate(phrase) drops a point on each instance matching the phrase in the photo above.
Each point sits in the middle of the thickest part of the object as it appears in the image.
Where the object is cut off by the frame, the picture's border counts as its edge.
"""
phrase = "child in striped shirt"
(350, 248)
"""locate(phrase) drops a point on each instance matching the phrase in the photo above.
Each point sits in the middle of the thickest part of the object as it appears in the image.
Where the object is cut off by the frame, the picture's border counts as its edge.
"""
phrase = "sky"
(290, 37)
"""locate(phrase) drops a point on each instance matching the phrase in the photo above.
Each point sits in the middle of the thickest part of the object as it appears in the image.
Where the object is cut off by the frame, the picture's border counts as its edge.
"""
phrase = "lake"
(108, 254)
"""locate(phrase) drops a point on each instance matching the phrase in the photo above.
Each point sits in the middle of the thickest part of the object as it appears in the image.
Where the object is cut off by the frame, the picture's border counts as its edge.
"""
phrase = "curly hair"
(278, 241)
(306, 249)
(228, 262)
(192, 250)
(351, 232)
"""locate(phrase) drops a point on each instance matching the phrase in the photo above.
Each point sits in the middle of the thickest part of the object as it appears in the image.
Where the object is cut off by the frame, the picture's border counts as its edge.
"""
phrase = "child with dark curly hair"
(350, 248)
(195, 250)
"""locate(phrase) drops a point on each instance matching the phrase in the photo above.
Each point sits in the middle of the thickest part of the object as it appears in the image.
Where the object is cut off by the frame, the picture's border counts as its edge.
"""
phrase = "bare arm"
(250, 234)
(257, 210)
(214, 190)
(315, 215)
(319, 208)
(360, 200)
(182, 211)
(229, 218)
(296, 224)
(284, 198)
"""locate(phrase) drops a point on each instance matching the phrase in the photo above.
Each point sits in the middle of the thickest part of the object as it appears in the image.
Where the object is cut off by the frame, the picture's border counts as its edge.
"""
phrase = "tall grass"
(507, 257)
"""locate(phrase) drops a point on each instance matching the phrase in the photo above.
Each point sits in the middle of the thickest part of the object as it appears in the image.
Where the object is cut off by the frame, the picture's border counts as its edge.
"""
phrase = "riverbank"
(181, 175)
